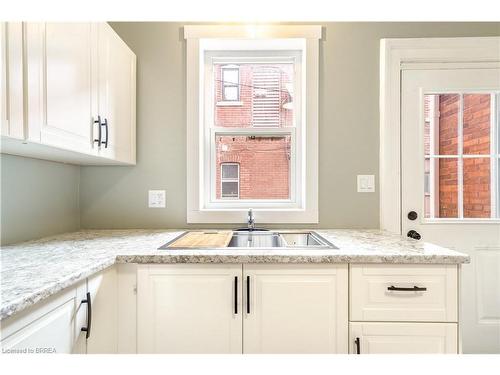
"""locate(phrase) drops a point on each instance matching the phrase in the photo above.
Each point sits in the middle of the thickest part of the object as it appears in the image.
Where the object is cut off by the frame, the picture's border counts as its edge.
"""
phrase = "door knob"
(414, 234)
(412, 215)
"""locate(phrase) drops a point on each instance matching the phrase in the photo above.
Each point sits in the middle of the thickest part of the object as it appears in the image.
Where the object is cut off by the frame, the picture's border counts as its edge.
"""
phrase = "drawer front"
(381, 293)
(403, 338)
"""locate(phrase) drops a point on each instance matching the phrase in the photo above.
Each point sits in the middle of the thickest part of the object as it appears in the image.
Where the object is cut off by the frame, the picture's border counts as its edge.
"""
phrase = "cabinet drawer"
(383, 292)
(403, 338)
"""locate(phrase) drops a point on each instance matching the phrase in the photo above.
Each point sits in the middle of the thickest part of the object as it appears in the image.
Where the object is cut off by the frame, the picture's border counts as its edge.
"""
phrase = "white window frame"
(200, 39)
(222, 179)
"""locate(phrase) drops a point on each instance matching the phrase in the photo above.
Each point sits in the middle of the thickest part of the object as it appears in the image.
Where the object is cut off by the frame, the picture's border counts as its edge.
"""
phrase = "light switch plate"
(156, 199)
(366, 183)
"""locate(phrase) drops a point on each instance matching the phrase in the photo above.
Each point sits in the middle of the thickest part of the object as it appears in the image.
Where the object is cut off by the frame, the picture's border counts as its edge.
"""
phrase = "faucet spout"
(250, 220)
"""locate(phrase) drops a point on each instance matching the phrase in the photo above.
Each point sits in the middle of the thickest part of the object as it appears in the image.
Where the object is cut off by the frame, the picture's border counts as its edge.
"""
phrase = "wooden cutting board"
(204, 239)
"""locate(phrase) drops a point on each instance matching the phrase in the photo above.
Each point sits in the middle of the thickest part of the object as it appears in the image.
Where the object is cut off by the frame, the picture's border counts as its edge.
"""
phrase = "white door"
(67, 59)
(116, 96)
(403, 338)
(295, 308)
(450, 184)
(189, 308)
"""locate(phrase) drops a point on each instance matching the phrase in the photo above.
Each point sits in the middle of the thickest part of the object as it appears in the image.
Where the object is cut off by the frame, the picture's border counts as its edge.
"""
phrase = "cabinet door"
(189, 308)
(103, 291)
(404, 338)
(11, 80)
(116, 96)
(45, 328)
(67, 56)
(295, 308)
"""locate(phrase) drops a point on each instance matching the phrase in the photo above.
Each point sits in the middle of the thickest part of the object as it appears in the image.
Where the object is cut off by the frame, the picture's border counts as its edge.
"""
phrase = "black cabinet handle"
(105, 124)
(358, 345)
(414, 289)
(89, 316)
(248, 294)
(99, 139)
(236, 295)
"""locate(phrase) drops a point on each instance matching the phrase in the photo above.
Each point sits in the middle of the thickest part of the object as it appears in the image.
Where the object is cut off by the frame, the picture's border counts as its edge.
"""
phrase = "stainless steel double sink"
(255, 239)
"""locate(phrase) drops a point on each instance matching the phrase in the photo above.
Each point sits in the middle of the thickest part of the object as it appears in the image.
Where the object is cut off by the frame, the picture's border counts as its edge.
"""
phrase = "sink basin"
(303, 239)
(265, 239)
(256, 239)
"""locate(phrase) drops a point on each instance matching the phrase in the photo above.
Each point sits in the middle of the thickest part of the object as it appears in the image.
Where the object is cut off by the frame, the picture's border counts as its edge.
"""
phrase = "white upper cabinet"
(79, 95)
(11, 80)
(295, 308)
(67, 111)
(116, 96)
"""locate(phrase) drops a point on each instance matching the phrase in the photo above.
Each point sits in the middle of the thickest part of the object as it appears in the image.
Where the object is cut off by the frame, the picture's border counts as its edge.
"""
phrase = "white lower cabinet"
(52, 326)
(55, 325)
(184, 308)
(403, 338)
(403, 308)
(295, 308)
(199, 309)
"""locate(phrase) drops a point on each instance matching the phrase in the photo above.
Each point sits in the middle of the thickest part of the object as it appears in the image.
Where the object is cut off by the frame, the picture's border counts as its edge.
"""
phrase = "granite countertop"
(34, 270)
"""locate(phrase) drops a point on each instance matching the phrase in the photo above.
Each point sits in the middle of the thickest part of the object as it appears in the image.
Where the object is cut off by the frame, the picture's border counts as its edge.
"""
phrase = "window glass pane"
(230, 76)
(229, 189)
(229, 171)
(230, 93)
(266, 93)
(441, 124)
(442, 202)
(264, 164)
(476, 120)
(477, 188)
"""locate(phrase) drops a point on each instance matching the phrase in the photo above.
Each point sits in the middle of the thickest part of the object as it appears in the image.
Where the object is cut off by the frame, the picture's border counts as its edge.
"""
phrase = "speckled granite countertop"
(32, 271)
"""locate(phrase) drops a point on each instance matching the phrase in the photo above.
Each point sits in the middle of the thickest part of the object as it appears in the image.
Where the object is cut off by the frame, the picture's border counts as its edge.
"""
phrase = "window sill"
(230, 104)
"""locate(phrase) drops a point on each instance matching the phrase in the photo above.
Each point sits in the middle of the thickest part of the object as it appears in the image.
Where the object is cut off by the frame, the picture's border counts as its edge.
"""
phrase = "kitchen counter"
(32, 271)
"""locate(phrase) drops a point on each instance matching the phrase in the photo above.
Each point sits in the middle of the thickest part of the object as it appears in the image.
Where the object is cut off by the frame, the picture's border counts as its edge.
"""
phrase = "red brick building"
(253, 96)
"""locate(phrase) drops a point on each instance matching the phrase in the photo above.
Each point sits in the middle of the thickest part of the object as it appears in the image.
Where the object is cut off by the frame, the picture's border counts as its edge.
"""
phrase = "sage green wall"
(116, 197)
(38, 198)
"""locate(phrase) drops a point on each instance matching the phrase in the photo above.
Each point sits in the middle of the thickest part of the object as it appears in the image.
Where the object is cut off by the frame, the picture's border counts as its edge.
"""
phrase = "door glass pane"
(441, 124)
(477, 187)
(442, 199)
(477, 123)
(264, 164)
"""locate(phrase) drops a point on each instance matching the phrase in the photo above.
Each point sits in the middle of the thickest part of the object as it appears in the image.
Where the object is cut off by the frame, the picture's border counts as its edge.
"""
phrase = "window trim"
(222, 179)
(202, 38)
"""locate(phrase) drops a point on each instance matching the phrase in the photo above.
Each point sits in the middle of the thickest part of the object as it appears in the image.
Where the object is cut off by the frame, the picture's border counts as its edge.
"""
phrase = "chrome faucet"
(250, 220)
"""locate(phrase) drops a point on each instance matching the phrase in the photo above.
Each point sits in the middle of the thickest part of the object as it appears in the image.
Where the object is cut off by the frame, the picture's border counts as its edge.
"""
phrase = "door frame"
(397, 55)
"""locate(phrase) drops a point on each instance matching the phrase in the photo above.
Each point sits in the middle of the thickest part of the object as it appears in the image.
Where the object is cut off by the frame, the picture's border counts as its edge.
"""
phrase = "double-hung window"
(252, 126)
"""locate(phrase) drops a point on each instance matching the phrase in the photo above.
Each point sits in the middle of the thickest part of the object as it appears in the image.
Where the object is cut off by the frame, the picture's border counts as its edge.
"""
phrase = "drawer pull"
(414, 289)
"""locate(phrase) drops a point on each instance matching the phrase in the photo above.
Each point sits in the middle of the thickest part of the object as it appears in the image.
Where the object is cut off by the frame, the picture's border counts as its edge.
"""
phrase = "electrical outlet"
(156, 199)
(366, 183)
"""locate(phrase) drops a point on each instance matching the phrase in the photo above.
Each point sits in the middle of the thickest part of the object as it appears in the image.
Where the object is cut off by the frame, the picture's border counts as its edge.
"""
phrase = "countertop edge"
(23, 303)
